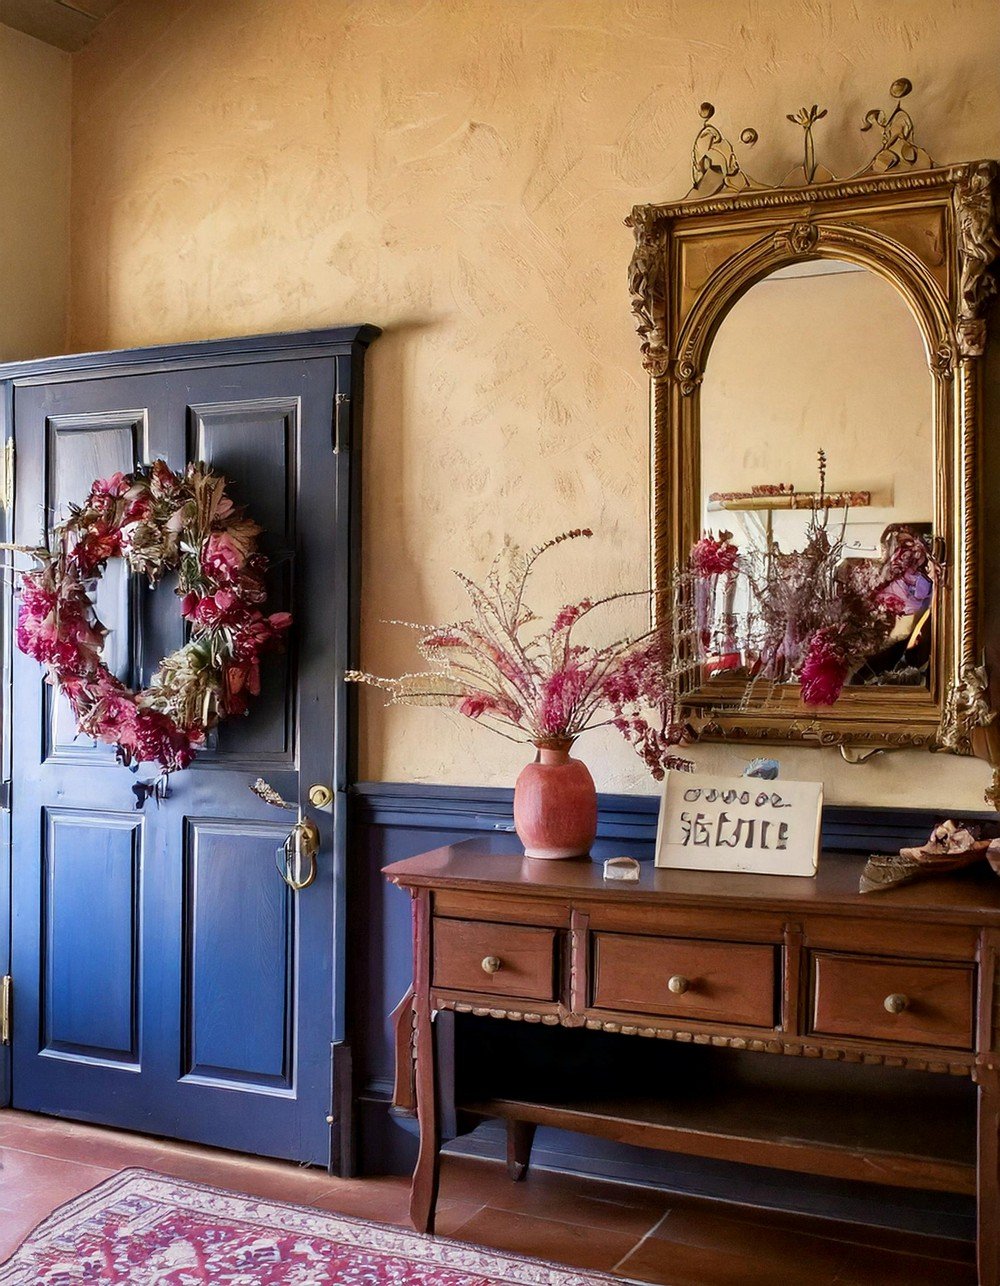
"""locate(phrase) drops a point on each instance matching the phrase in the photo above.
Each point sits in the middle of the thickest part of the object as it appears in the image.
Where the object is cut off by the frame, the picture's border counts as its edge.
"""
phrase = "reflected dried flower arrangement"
(536, 682)
(813, 615)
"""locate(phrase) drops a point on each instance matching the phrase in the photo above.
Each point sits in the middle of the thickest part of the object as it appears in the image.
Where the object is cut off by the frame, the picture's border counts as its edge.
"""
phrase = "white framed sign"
(742, 824)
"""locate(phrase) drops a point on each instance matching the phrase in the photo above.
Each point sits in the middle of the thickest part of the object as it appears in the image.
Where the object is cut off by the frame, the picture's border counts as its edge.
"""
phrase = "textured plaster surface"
(35, 116)
(458, 172)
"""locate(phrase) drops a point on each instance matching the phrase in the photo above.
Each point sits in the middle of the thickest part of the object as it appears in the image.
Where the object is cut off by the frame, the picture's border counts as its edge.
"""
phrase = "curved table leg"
(424, 1187)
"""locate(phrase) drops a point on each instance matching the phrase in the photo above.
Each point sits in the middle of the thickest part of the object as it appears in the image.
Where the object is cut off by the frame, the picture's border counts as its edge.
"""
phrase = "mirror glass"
(819, 356)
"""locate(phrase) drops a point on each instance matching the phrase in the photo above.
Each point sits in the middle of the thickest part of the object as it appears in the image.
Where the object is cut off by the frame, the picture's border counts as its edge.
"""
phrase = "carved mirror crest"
(845, 316)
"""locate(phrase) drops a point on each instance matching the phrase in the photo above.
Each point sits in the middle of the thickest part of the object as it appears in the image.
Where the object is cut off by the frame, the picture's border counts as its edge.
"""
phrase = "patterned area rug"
(143, 1229)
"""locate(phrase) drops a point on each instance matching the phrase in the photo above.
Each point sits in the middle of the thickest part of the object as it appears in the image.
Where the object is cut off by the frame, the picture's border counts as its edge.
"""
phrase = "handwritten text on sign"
(739, 824)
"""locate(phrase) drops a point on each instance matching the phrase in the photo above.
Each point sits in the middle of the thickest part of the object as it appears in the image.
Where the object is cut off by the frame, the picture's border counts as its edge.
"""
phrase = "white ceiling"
(67, 24)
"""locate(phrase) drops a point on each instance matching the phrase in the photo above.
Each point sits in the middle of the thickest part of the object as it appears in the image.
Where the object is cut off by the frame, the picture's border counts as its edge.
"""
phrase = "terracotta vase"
(555, 804)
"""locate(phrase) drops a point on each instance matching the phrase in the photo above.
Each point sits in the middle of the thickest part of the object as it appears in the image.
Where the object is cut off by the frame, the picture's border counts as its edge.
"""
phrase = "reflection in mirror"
(819, 356)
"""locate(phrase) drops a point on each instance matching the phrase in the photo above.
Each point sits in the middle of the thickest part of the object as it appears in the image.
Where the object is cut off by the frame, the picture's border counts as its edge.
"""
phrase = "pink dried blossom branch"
(545, 686)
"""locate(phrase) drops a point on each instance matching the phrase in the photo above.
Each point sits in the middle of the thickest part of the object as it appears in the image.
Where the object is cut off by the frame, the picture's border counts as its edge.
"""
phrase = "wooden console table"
(887, 1003)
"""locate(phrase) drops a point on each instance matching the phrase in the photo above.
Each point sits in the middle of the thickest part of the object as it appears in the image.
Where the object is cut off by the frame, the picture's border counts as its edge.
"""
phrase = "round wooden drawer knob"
(492, 964)
(896, 1003)
(678, 984)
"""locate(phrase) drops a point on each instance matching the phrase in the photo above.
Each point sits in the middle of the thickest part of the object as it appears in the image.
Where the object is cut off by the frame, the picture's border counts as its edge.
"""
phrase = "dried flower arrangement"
(814, 616)
(541, 685)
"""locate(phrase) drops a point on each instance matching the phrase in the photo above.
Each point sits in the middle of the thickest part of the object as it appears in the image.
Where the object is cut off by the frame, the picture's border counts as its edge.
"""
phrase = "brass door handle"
(300, 849)
(896, 1003)
(492, 964)
(678, 984)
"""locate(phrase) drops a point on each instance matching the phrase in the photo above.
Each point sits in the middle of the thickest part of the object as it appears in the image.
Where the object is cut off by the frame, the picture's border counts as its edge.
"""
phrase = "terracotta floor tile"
(23, 1174)
(35, 1120)
(276, 1180)
(657, 1260)
(379, 1206)
(32, 1186)
(488, 1177)
(864, 1267)
(387, 1200)
(382, 1200)
(451, 1218)
(108, 1153)
(565, 1243)
(582, 1222)
(710, 1229)
(567, 1198)
(701, 1222)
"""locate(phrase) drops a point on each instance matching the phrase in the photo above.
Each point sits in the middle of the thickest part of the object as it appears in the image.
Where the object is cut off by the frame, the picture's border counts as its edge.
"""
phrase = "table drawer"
(495, 959)
(730, 982)
(886, 1000)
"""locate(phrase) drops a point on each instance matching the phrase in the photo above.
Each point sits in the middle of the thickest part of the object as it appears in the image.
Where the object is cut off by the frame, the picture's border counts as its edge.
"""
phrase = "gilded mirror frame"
(931, 233)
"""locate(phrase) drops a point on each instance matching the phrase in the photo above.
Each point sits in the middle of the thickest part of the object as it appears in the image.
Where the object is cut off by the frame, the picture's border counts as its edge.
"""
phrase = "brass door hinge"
(7, 481)
(6, 1009)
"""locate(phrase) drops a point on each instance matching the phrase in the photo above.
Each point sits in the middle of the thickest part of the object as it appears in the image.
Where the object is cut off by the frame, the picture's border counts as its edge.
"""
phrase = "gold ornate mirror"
(844, 316)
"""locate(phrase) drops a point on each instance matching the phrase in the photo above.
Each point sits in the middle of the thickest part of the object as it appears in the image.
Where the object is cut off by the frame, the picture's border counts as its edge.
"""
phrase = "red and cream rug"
(143, 1229)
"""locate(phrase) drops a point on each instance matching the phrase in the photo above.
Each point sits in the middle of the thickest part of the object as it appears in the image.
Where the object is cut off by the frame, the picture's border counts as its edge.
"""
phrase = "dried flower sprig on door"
(541, 684)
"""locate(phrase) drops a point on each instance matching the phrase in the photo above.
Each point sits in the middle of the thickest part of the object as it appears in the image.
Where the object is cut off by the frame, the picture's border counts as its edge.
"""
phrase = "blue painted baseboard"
(390, 821)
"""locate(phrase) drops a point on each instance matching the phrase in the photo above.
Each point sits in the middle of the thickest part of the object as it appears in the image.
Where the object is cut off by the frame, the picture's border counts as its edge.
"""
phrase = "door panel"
(90, 983)
(166, 978)
(248, 441)
(238, 1018)
(80, 448)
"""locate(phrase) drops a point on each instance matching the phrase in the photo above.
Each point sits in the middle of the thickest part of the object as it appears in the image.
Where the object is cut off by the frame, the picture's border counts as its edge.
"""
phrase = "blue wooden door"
(165, 978)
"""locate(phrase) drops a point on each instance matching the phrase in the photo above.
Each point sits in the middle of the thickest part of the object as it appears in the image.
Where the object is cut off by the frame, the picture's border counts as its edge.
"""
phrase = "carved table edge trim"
(769, 1044)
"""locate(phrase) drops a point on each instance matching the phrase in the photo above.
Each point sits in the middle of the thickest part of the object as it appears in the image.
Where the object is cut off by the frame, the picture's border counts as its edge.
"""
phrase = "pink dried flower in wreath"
(222, 557)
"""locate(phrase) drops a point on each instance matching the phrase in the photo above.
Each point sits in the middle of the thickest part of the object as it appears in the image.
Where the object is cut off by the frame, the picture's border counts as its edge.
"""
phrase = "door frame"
(6, 642)
(346, 345)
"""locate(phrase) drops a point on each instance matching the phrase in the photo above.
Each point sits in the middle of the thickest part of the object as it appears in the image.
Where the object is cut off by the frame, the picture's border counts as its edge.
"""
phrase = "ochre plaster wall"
(457, 171)
(34, 196)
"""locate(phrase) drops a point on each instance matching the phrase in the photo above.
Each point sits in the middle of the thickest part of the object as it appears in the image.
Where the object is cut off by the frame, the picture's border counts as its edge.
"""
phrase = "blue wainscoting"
(390, 821)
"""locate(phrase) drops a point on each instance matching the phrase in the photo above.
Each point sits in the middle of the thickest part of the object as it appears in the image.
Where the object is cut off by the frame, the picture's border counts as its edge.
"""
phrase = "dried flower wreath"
(158, 521)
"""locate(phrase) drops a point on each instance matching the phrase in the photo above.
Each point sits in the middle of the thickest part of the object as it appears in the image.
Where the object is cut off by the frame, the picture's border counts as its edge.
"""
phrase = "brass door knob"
(678, 984)
(492, 964)
(896, 1003)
